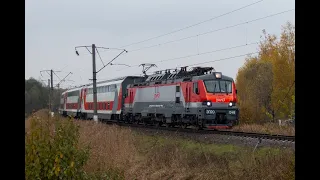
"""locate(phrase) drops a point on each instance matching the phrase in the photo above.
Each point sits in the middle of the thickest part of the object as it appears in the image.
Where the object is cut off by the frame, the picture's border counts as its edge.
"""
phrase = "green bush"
(52, 150)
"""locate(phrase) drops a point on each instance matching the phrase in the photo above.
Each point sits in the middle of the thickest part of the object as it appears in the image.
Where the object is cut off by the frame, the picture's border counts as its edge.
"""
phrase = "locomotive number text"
(210, 111)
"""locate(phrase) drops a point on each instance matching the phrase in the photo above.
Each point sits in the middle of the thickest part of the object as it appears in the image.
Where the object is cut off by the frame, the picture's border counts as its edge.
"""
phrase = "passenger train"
(200, 97)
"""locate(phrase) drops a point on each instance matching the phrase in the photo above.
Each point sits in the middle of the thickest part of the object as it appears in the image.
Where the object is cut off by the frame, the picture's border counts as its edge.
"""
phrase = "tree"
(37, 96)
(263, 81)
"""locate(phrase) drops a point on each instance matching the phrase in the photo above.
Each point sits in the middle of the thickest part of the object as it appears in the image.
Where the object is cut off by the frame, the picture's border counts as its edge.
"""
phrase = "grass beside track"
(119, 153)
(267, 128)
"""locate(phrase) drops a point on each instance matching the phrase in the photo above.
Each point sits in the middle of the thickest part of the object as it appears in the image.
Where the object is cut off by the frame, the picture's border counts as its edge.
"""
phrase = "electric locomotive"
(201, 97)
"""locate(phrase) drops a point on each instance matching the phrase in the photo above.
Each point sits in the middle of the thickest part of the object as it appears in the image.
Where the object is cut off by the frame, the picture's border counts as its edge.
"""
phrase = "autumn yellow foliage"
(266, 82)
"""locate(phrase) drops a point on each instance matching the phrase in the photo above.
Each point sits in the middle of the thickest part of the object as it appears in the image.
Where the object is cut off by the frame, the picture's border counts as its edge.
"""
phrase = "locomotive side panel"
(159, 99)
(125, 91)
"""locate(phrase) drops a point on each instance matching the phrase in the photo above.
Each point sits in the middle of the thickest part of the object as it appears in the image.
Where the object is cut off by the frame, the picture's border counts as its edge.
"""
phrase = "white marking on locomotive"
(210, 111)
(221, 100)
(156, 106)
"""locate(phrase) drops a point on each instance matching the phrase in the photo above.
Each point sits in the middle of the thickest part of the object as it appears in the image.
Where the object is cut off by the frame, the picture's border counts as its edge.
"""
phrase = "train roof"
(182, 75)
(100, 82)
(195, 73)
(212, 76)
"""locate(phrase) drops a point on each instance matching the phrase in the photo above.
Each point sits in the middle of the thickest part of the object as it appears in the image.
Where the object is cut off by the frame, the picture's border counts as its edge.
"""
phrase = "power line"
(194, 24)
(56, 75)
(216, 60)
(208, 52)
(216, 30)
(100, 56)
(224, 58)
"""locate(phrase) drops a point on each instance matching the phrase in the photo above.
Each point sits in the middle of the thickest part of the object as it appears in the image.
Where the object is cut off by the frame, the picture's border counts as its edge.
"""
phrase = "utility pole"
(51, 88)
(49, 102)
(51, 92)
(95, 112)
(94, 72)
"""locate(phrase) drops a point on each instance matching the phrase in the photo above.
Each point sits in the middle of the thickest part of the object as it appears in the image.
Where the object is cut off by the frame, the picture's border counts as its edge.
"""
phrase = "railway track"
(221, 132)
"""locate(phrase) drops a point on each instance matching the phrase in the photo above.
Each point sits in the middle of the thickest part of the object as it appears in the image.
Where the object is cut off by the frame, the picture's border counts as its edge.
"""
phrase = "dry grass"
(38, 115)
(131, 155)
(269, 128)
(145, 157)
(111, 147)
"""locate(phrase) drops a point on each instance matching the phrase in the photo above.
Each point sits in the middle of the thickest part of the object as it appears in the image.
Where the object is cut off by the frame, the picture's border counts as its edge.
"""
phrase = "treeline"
(266, 82)
(37, 96)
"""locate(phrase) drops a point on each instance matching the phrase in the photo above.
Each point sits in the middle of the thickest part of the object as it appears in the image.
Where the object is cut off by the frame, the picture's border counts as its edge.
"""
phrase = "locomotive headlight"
(218, 75)
(231, 104)
(207, 103)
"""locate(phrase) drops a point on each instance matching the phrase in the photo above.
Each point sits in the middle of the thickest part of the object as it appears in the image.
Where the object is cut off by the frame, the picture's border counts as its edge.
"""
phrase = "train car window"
(187, 92)
(112, 88)
(195, 88)
(177, 88)
(126, 93)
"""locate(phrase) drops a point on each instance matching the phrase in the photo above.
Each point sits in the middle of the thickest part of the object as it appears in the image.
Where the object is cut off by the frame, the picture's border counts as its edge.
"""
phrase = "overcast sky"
(54, 28)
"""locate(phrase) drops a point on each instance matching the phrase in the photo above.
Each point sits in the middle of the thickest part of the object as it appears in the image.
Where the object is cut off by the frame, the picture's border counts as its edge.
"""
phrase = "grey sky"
(54, 28)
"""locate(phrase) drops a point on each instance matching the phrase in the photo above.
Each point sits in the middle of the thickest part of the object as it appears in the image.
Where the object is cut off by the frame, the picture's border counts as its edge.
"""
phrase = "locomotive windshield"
(218, 86)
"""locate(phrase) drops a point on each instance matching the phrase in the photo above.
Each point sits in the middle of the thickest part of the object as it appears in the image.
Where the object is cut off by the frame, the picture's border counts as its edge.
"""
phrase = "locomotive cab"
(219, 101)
